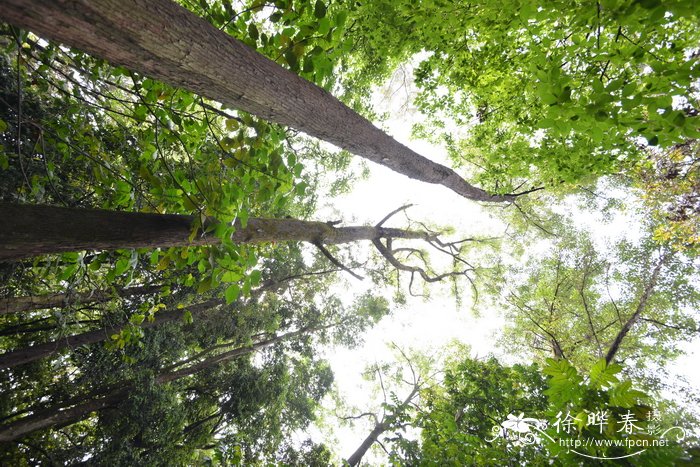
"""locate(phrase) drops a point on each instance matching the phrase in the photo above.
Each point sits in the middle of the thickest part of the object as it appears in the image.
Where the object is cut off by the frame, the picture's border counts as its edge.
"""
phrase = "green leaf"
(679, 119)
(301, 188)
(243, 217)
(68, 272)
(319, 9)
(291, 59)
(137, 319)
(603, 374)
(231, 276)
(622, 396)
(297, 170)
(324, 25)
(140, 113)
(187, 317)
(232, 124)
(255, 277)
(341, 18)
(121, 266)
(204, 285)
(232, 293)
(253, 31)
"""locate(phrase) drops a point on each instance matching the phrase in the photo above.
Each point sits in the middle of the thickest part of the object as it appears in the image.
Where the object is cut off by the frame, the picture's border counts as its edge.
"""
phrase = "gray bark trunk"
(30, 230)
(641, 306)
(38, 351)
(55, 416)
(367, 443)
(35, 352)
(60, 300)
(380, 427)
(63, 416)
(161, 39)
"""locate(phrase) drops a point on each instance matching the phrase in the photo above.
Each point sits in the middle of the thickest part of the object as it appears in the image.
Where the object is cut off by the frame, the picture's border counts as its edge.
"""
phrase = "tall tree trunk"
(641, 306)
(30, 230)
(379, 428)
(59, 300)
(35, 352)
(372, 437)
(38, 351)
(60, 415)
(165, 41)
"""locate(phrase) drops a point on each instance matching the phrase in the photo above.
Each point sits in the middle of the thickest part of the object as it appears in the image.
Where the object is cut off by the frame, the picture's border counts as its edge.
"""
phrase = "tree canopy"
(173, 289)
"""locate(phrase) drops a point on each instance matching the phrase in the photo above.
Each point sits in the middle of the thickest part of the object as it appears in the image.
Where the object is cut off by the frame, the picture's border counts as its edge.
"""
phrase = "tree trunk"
(360, 452)
(59, 415)
(34, 230)
(35, 352)
(641, 306)
(165, 41)
(30, 230)
(60, 300)
(380, 427)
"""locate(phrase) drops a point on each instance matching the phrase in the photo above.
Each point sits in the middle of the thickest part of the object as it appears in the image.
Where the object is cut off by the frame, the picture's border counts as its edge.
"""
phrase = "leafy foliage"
(669, 181)
(208, 354)
(545, 94)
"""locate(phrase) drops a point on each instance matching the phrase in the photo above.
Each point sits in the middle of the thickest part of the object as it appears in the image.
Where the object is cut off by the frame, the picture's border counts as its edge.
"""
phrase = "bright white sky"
(421, 325)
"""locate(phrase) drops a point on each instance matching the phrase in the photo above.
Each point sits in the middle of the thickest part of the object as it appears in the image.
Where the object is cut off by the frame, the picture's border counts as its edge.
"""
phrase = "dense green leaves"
(545, 94)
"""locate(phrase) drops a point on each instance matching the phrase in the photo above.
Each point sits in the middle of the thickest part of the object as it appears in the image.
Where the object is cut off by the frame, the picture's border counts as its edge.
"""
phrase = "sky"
(424, 325)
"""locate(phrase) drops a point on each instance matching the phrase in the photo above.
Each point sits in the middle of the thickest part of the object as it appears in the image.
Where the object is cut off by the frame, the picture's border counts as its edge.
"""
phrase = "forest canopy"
(200, 241)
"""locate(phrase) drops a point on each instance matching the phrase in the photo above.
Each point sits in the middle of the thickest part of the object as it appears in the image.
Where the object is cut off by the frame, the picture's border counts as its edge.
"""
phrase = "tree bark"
(38, 351)
(30, 230)
(367, 443)
(35, 352)
(60, 415)
(163, 40)
(380, 427)
(641, 306)
(60, 300)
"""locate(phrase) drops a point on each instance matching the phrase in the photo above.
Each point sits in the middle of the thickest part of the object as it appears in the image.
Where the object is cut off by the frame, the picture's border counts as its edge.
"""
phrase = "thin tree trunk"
(35, 352)
(59, 300)
(52, 417)
(38, 351)
(60, 415)
(367, 443)
(379, 428)
(30, 230)
(165, 41)
(556, 349)
(641, 306)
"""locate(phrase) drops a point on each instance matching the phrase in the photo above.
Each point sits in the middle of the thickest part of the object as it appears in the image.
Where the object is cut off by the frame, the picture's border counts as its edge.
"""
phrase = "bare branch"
(381, 383)
(387, 253)
(335, 262)
(408, 360)
(666, 325)
(357, 417)
(393, 213)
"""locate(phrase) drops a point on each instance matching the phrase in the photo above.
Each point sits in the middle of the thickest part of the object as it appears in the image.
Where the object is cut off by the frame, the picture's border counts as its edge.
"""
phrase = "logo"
(590, 431)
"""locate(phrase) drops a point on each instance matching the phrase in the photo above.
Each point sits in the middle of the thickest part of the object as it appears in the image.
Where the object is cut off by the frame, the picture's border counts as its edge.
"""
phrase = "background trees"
(581, 304)
(525, 93)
